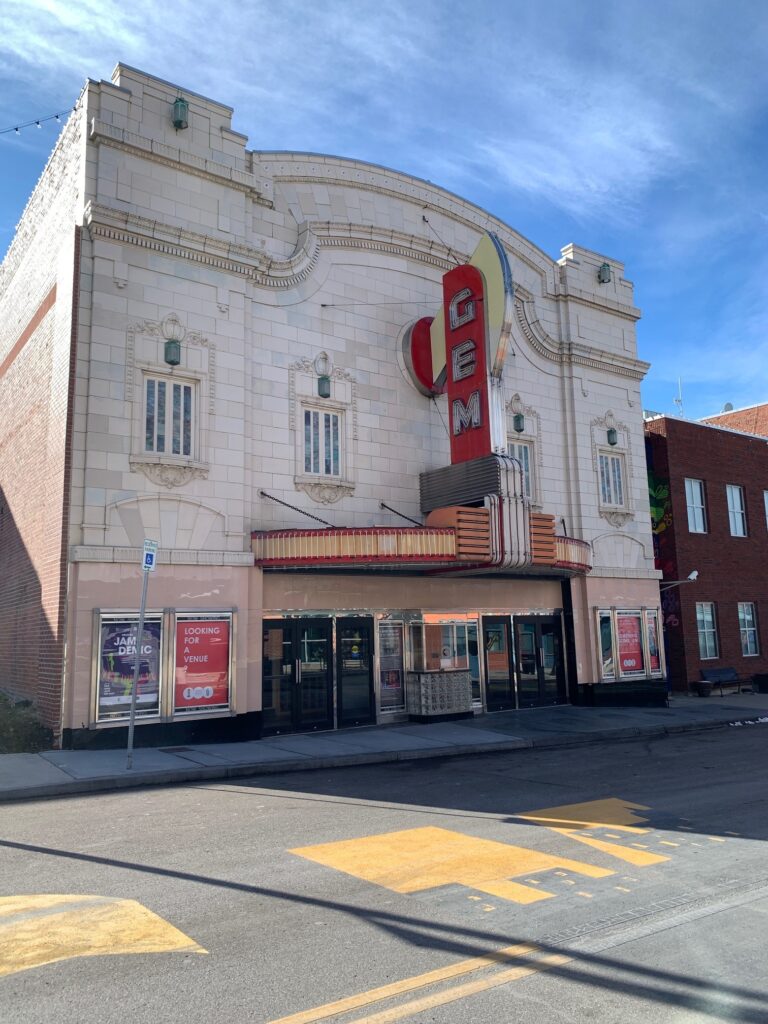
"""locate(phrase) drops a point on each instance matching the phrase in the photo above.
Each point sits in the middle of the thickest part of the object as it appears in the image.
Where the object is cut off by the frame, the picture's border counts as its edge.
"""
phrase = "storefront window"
(116, 664)
(629, 643)
(392, 675)
(630, 636)
(606, 645)
(202, 663)
(439, 646)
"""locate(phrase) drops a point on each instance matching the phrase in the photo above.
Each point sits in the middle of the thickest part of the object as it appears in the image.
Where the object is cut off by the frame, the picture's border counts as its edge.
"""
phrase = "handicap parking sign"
(150, 555)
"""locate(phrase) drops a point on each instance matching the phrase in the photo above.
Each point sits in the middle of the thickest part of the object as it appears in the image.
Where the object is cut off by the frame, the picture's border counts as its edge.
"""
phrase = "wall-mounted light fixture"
(518, 422)
(173, 332)
(613, 436)
(180, 113)
(604, 273)
(323, 369)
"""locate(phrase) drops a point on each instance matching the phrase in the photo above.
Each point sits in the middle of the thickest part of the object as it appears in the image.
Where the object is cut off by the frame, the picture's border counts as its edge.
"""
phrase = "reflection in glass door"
(540, 665)
(497, 653)
(354, 671)
(297, 675)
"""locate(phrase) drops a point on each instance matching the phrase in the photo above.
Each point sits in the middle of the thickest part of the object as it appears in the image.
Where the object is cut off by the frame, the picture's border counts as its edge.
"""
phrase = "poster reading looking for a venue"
(117, 658)
(202, 664)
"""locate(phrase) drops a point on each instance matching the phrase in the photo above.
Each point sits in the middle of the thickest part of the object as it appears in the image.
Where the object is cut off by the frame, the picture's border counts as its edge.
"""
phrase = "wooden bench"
(725, 677)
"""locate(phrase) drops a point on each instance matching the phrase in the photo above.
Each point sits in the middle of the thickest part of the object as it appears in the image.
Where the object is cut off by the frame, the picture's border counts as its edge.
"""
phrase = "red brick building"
(709, 507)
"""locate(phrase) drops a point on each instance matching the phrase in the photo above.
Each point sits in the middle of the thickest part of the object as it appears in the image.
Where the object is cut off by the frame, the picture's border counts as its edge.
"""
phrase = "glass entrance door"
(540, 665)
(354, 671)
(497, 654)
(297, 675)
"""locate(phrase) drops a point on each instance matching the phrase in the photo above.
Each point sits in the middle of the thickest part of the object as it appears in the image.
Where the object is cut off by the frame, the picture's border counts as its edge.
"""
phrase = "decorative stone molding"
(168, 475)
(159, 329)
(132, 556)
(514, 407)
(573, 354)
(337, 373)
(102, 133)
(616, 517)
(327, 492)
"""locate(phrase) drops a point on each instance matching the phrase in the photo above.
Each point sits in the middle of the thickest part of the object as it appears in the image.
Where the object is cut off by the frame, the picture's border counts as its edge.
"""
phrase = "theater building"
(391, 452)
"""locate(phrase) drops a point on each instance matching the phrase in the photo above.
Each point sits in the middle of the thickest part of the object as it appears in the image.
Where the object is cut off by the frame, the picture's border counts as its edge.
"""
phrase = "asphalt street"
(619, 882)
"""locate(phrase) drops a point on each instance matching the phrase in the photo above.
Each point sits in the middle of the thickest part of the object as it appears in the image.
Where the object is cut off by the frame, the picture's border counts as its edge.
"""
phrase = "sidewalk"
(63, 772)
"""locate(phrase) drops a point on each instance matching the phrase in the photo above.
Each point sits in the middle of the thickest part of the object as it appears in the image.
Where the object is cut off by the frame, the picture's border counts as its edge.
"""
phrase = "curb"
(111, 783)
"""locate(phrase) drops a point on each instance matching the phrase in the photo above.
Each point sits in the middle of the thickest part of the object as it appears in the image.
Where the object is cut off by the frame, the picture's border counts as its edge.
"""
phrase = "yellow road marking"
(666, 842)
(425, 858)
(43, 929)
(715, 839)
(398, 988)
(611, 812)
(639, 858)
(428, 1002)
(470, 988)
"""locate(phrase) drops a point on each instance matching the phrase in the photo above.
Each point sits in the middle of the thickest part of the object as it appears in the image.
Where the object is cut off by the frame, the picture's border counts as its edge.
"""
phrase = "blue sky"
(638, 128)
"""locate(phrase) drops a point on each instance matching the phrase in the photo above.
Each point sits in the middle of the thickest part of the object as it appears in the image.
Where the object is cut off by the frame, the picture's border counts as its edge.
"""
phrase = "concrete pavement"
(62, 772)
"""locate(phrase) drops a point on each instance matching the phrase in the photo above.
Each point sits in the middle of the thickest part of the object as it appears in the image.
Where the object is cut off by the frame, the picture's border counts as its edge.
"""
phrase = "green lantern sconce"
(173, 332)
(604, 273)
(518, 422)
(323, 370)
(180, 113)
(613, 436)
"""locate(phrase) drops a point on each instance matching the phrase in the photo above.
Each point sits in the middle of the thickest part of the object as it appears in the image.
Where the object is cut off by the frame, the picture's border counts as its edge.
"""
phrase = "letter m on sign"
(466, 416)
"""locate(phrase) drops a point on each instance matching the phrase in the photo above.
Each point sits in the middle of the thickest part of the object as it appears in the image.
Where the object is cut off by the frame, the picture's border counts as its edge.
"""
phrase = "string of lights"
(36, 122)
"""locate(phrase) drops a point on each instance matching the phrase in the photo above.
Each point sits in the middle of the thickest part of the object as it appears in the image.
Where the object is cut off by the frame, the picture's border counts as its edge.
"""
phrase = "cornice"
(252, 263)
(572, 353)
(260, 191)
(310, 169)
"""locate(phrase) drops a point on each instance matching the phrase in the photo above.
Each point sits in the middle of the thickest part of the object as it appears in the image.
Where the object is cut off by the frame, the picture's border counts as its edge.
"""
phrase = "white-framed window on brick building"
(748, 629)
(170, 417)
(523, 452)
(694, 500)
(706, 626)
(737, 516)
(613, 488)
(323, 440)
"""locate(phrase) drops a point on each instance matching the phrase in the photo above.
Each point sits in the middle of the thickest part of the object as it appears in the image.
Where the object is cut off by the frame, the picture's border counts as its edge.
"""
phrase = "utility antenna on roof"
(679, 399)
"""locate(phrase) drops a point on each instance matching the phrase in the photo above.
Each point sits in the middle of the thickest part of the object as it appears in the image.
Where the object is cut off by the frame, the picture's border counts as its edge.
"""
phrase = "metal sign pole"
(147, 566)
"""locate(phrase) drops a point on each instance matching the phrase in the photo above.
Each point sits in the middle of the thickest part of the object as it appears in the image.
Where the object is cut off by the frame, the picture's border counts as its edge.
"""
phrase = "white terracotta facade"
(266, 266)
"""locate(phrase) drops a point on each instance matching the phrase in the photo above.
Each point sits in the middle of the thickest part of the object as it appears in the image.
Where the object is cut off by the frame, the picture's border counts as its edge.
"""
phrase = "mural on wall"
(661, 521)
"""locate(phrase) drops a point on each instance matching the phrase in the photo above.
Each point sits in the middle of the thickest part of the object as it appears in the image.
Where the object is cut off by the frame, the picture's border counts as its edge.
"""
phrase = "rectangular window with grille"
(523, 452)
(322, 442)
(612, 489)
(169, 416)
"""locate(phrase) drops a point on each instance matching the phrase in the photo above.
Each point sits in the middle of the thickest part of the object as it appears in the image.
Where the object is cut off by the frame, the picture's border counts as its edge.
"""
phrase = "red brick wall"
(752, 421)
(731, 569)
(36, 399)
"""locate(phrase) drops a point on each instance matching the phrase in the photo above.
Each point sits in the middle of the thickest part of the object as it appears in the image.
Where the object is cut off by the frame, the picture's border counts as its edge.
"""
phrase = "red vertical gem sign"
(469, 420)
